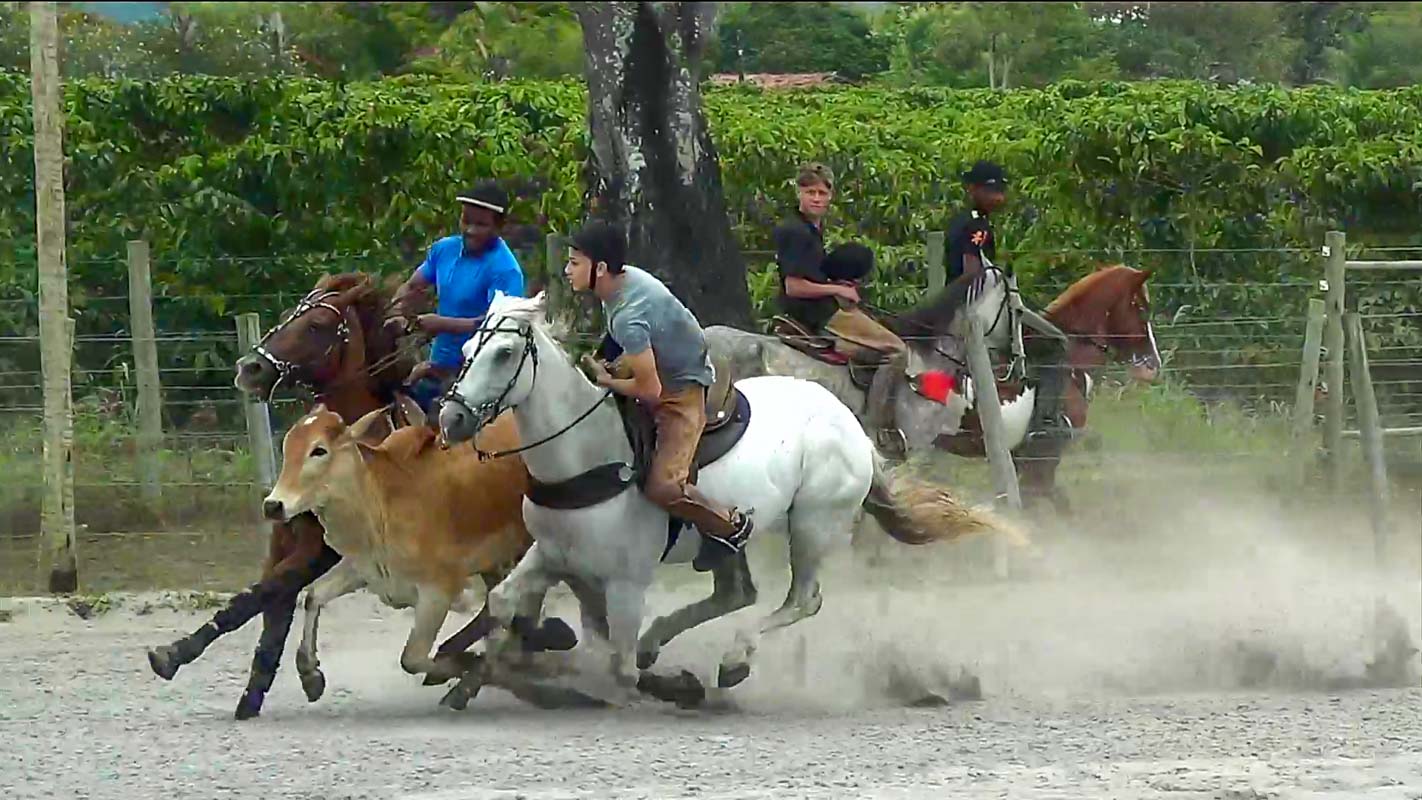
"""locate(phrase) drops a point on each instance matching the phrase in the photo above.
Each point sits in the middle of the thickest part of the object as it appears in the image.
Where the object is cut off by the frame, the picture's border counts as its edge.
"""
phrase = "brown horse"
(1105, 315)
(335, 345)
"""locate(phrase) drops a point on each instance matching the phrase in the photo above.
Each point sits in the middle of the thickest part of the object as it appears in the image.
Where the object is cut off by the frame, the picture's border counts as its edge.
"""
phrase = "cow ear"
(367, 452)
(371, 428)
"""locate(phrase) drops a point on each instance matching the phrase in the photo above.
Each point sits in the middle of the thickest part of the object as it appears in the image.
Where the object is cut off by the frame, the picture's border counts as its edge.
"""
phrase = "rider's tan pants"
(680, 418)
(859, 337)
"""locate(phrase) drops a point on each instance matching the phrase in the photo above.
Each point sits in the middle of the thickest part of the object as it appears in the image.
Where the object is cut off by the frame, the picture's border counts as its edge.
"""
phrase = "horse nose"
(455, 423)
(272, 509)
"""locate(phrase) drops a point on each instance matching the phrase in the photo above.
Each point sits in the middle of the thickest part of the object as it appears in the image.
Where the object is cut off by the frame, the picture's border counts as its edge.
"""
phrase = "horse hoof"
(557, 635)
(248, 707)
(647, 658)
(313, 684)
(457, 698)
(729, 676)
(685, 690)
(162, 660)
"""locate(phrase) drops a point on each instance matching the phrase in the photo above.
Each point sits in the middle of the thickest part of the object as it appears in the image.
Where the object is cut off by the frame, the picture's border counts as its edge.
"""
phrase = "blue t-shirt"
(465, 284)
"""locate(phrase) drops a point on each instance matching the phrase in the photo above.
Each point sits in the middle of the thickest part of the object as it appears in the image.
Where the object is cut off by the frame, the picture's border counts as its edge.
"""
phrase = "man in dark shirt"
(821, 303)
(970, 235)
(970, 240)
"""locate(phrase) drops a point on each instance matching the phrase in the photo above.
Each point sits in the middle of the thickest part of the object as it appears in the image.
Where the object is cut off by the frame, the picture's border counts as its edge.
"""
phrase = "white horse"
(804, 463)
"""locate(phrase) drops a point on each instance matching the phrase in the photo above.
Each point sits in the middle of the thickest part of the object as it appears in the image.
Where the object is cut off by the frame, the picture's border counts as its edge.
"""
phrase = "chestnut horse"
(334, 344)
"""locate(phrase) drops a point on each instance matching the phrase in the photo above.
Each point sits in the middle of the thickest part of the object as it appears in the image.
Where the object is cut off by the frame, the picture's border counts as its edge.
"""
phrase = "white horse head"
(500, 366)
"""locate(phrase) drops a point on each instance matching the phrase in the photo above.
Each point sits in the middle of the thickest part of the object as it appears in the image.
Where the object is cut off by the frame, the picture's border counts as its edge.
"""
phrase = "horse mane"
(370, 294)
(531, 310)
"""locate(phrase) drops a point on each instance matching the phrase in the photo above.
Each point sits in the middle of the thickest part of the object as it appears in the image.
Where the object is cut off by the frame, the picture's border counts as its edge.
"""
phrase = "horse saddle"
(821, 348)
(727, 417)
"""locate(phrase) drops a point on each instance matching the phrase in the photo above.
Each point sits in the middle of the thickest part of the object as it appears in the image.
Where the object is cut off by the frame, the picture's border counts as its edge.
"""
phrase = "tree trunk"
(654, 169)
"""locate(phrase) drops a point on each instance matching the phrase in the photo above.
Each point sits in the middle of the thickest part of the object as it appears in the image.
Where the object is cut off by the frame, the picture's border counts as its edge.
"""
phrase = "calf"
(412, 521)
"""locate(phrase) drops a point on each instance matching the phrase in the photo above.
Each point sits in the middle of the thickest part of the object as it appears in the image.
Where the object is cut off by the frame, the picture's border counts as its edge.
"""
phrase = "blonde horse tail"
(916, 512)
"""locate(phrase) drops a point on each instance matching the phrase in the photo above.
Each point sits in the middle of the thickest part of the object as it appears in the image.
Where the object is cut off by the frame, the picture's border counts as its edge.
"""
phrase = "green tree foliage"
(998, 45)
(1384, 53)
(508, 40)
(797, 37)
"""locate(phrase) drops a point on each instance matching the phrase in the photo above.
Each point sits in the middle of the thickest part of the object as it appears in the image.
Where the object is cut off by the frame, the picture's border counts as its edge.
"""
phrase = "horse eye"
(503, 353)
(318, 451)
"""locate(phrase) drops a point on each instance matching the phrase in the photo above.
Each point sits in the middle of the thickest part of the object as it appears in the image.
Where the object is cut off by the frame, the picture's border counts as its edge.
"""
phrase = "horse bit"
(286, 369)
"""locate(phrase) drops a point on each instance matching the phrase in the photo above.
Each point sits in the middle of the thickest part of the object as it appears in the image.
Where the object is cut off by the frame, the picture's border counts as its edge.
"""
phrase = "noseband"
(288, 370)
(490, 410)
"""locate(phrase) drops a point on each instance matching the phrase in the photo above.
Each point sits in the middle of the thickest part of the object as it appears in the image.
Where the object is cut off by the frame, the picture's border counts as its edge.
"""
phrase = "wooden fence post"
(56, 327)
(145, 360)
(1371, 434)
(1335, 269)
(1302, 442)
(989, 409)
(937, 271)
(259, 421)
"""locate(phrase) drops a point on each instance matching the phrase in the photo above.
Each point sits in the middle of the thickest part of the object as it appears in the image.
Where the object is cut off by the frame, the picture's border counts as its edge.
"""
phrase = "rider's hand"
(849, 292)
(596, 370)
(429, 323)
(421, 370)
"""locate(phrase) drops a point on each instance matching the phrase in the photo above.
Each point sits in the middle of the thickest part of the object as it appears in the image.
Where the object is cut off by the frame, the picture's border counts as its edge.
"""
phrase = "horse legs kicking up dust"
(803, 466)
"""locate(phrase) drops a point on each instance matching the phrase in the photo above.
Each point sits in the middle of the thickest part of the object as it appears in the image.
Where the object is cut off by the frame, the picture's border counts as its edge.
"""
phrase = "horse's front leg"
(340, 581)
(309, 559)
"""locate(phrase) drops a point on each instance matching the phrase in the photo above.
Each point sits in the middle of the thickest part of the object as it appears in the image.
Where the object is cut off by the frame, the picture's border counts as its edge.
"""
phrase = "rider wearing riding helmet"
(655, 338)
(466, 270)
(971, 242)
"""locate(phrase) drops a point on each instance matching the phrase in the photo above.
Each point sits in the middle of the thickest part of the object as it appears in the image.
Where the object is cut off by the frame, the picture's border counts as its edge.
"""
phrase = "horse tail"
(914, 511)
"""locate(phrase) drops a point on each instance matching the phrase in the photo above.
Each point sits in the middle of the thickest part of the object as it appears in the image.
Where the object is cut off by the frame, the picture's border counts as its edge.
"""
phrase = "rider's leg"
(879, 415)
(1050, 421)
(860, 337)
(680, 418)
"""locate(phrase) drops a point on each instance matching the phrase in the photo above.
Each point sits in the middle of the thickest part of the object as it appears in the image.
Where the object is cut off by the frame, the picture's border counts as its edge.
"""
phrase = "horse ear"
(414, 415)
(371, 429)
(1143, 275)
(358, 287)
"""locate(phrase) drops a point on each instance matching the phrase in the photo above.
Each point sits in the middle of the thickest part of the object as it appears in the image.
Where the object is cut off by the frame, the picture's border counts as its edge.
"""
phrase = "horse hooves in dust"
(729, 676)
(313, 684)
(249, 707)
(450, 666)
(164, 661)
(685, 689)
(554, 634)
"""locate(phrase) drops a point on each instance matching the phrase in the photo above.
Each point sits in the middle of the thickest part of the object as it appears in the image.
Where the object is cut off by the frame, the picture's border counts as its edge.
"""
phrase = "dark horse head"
(333, 339)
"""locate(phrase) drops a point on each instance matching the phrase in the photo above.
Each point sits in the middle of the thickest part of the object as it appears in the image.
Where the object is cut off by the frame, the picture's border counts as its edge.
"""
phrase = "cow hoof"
(729, 676)
(163, 662)
(555, 634)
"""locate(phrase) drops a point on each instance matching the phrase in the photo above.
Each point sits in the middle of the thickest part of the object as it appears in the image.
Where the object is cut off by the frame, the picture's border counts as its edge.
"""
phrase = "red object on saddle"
(937, 385)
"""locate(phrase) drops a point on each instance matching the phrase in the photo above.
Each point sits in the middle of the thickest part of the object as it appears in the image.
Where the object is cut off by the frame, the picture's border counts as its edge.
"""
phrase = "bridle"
(289, 370)
(491, 409)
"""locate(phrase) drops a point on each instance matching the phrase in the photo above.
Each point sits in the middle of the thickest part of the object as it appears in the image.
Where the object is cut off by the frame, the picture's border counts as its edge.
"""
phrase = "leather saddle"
(727, 417)
(821, 348)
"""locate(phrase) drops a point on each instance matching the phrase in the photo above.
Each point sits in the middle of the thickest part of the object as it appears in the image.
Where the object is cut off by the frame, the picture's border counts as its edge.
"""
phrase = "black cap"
(601, 241)
(486, 195)
(986, 173)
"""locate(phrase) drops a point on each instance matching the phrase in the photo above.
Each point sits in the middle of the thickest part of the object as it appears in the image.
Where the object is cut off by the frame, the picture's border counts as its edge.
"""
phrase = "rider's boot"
(716, 547)
(879, 414)
(1049, 421)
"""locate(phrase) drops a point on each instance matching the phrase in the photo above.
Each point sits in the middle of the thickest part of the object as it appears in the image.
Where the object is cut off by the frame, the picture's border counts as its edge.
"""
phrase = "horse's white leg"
(733, 589)
(430, 610)
(625, 602)
(341, 580)
(814, 532)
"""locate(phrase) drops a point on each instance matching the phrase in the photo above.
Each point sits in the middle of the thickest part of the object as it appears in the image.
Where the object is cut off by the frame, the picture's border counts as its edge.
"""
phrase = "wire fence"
(1231, 338)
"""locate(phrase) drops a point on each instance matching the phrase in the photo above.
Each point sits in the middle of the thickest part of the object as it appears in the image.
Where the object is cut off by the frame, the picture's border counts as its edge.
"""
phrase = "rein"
(492, 409)
(288, 372)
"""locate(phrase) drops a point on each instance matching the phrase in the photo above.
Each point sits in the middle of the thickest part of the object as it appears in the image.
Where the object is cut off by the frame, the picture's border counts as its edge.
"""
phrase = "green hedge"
(272, 173)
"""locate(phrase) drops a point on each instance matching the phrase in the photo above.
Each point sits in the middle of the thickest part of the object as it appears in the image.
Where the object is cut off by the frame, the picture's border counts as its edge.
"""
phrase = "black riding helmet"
(850, 261)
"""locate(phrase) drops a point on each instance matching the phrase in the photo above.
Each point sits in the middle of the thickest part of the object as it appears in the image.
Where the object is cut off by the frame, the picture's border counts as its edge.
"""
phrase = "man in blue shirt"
(466, 270)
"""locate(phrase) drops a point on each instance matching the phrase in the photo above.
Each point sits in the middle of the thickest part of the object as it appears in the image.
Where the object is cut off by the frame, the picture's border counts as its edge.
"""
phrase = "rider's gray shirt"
(645, 313)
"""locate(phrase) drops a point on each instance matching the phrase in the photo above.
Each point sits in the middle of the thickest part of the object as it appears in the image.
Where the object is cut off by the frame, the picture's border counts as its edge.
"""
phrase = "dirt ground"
(1186, 645)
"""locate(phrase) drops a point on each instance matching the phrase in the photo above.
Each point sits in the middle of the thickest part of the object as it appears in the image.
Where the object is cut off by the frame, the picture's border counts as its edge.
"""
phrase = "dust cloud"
(1182, 587)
